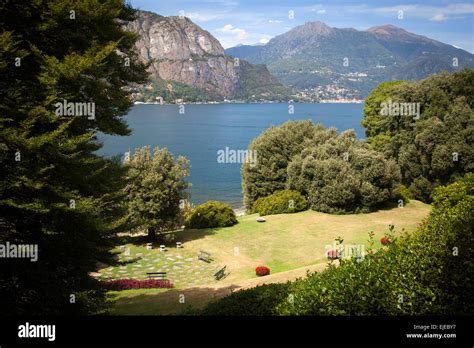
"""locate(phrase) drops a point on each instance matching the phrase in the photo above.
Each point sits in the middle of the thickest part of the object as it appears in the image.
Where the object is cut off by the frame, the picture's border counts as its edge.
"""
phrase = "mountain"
(188, 63)
(316, 56)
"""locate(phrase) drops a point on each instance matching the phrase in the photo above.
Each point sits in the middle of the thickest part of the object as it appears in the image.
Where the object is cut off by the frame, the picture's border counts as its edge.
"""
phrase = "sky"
(250, 22)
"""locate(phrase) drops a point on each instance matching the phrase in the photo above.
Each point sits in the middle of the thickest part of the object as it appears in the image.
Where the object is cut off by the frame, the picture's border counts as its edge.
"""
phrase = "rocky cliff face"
(183, 52)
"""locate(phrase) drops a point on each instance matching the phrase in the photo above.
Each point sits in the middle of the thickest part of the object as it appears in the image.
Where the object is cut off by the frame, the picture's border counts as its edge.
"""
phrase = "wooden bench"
(205, 256)
(158, 275)
(220, 273)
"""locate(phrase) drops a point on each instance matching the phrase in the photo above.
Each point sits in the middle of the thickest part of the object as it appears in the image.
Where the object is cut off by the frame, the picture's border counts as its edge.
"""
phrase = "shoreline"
(239, 211)
(326, 101)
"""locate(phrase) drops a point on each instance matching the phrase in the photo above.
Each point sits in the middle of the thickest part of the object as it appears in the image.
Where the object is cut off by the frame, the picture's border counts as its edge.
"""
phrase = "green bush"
(260, 300)
(405, 194)
(281, 202)
(211, 214)
(343, 175)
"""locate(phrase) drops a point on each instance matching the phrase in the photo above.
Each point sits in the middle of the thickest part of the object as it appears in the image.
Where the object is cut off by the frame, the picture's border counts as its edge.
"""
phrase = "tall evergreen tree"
(55, 192)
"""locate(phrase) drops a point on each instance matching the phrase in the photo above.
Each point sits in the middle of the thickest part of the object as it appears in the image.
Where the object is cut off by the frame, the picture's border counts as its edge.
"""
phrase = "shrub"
(168, 237)
(405, 194)
(127, 284)
(186, 209)
(343, 176)
(262, 271)
(211, 214)
(421, 188)
(260, 300)
(281, 202)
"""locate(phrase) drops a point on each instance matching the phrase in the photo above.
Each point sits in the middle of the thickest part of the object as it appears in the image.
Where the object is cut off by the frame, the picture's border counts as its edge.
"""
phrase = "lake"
(202, 130)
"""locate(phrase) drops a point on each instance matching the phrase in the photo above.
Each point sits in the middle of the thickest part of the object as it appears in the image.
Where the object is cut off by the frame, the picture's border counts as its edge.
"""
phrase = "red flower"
(332, 254)
(126, 284)
(384, 241)
(262, 271)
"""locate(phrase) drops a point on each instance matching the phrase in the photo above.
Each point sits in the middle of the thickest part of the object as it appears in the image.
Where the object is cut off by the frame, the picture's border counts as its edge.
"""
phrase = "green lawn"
(284, 242)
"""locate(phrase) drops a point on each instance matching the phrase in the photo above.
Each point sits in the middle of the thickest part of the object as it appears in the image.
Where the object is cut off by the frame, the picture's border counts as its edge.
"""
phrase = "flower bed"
(262, 271)
(127, 284)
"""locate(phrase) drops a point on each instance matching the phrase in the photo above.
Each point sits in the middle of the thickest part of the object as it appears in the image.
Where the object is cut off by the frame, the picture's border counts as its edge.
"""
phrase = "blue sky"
(253, 21)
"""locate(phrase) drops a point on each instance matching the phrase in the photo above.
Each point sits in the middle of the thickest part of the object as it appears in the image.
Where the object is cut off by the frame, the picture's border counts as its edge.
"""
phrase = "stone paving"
(183, 269)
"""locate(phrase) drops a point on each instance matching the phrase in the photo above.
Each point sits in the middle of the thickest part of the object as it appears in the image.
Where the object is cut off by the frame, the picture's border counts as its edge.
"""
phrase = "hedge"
(280, 202)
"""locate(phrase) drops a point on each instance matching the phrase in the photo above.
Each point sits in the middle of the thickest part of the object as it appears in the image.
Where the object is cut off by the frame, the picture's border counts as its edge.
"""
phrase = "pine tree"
(55, 192)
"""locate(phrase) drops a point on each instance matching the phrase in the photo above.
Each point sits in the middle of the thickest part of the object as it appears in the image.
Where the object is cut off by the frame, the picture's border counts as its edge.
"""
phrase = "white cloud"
(263, 40)
(230, 36)
(421, 11)
(319, 9)
(228, 3)
(440, 17)
(275, 21)
(197, 17)
(237, 33)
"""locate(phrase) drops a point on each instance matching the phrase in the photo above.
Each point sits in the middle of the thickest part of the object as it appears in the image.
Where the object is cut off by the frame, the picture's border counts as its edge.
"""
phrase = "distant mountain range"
(189, 64)
(316, 56)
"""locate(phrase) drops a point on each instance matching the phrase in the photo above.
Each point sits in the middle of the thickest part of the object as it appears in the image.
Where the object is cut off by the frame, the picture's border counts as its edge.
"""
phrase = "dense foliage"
(56, 192)
(280, 202)
(428, 272)
(336, 172)
(436, 147)
(170, 91)
(156, 189)
(211, 214)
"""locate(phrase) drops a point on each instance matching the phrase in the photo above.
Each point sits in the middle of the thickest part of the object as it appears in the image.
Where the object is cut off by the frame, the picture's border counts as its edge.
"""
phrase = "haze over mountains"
(314, 56)
(188, 63)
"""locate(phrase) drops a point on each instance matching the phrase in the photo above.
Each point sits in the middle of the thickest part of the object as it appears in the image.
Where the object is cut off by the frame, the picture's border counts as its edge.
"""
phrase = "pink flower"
(332, 254)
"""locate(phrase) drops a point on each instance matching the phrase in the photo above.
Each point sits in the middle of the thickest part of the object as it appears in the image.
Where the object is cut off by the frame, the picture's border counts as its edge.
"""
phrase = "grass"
(287, 243)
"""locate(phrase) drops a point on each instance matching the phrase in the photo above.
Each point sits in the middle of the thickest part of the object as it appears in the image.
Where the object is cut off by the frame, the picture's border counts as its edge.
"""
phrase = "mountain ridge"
(315, 55)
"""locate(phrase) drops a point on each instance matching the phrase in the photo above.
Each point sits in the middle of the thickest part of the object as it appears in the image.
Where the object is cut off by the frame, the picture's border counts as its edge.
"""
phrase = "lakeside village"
(320, 94)
(260, 101)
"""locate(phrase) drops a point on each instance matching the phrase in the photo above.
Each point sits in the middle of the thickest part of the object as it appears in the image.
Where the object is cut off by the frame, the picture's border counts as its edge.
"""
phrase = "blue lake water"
(203, 130)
